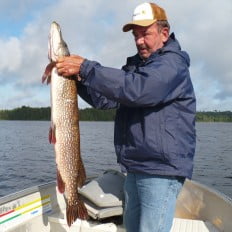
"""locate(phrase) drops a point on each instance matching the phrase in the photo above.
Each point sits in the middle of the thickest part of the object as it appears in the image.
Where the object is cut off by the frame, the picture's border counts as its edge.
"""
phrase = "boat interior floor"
(114, 224)
(188, 225)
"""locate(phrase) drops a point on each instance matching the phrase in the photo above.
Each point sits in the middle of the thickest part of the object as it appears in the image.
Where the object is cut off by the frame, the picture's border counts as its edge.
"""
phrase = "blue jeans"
(150, 202)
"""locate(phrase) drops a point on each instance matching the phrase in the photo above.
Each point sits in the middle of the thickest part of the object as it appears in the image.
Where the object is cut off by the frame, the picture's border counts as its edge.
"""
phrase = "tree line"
(44, 114)
(90, 114)
(214, 116)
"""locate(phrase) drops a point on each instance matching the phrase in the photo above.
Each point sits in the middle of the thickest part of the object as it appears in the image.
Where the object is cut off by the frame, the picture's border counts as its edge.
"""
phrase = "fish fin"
(52, 135)
(74, 211)
(49, 80)
(47, 72)
(60, 182)
(81, 175)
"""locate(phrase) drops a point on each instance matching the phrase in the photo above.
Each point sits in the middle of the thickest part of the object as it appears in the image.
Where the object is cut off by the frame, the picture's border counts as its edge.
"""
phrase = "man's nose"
(139, 40)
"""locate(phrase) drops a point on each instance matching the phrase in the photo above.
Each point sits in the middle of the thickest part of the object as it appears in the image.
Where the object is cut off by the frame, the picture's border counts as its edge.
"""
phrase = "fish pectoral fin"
(76, 210)
(47, 72)
(60, 182)
(52, 135)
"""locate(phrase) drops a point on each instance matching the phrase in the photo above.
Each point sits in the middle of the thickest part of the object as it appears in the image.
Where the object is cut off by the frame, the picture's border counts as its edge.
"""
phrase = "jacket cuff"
(85, 69)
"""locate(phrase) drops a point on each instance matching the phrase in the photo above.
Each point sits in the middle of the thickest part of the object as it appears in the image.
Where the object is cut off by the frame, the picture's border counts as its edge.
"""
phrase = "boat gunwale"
(37, 188)
(22, 193)
(33, 189)
(221, 195)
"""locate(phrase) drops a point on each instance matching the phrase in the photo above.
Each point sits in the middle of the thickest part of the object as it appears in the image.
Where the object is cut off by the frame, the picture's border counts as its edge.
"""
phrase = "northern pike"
(64, 131)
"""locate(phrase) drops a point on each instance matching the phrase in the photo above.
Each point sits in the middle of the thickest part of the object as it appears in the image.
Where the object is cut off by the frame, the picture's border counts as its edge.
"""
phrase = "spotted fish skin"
(64, 132)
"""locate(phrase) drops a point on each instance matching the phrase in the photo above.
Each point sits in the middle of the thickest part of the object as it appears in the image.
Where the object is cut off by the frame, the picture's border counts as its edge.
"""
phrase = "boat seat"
(188, 225)
(104, 195)
(103, 198)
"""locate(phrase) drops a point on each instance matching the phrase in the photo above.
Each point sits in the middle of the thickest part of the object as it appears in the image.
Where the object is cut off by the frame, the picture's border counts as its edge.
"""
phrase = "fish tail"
(75, 211)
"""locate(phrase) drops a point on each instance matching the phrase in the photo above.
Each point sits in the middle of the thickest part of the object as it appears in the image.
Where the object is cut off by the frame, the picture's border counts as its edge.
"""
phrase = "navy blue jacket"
(156, 106)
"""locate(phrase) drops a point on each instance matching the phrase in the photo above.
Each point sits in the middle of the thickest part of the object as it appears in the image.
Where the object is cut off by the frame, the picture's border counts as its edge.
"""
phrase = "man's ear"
(165, 34)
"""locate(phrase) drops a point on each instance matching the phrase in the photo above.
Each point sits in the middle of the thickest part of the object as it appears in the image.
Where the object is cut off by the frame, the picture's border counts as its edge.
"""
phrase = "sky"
(93, 29)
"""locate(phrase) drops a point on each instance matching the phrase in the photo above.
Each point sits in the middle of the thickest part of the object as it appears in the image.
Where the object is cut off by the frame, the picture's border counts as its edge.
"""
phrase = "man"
(155, 120)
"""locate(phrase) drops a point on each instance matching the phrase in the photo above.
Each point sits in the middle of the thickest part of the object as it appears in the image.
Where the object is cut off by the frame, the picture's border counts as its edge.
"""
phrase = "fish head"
(56, 45)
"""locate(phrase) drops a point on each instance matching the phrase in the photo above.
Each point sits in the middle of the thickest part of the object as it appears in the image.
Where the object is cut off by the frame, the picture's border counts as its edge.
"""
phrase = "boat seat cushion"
(98, 213)
(106, 190)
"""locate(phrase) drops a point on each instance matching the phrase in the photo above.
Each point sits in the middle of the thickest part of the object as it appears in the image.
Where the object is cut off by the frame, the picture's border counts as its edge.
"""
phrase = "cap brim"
(143, 23)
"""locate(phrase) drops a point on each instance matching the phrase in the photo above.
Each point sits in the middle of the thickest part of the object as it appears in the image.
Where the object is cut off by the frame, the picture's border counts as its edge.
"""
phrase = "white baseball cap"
(144, 15)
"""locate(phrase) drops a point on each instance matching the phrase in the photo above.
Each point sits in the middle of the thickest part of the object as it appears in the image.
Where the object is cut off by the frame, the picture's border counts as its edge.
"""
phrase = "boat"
(42, 208)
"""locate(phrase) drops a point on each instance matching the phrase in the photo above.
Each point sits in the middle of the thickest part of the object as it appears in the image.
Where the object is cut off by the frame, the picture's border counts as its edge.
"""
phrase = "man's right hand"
(69, 65)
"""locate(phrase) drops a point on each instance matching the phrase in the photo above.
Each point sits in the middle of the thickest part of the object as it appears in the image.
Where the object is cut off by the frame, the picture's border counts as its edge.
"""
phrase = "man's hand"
(69, 65)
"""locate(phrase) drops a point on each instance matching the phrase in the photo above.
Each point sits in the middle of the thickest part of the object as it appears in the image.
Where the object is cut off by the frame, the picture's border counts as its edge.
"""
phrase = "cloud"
(93, 29)
(204, 32)
(11, 58)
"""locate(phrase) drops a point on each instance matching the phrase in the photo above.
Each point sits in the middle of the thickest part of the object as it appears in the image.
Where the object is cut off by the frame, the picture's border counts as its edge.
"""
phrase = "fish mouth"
(55, 37)
(49, 49)
(56, 45)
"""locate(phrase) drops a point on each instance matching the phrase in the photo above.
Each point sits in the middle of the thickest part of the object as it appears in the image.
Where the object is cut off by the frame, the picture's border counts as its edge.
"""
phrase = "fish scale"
(64, 131)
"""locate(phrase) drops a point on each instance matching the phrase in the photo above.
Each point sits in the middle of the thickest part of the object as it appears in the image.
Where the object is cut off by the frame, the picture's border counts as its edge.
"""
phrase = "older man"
(155, 121)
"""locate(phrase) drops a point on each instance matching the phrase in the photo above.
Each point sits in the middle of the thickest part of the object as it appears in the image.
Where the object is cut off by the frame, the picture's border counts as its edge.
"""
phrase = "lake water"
(27, 159)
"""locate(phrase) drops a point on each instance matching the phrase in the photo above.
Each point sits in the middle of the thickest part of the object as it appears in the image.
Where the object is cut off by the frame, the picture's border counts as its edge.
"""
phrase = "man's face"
(148, 39)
